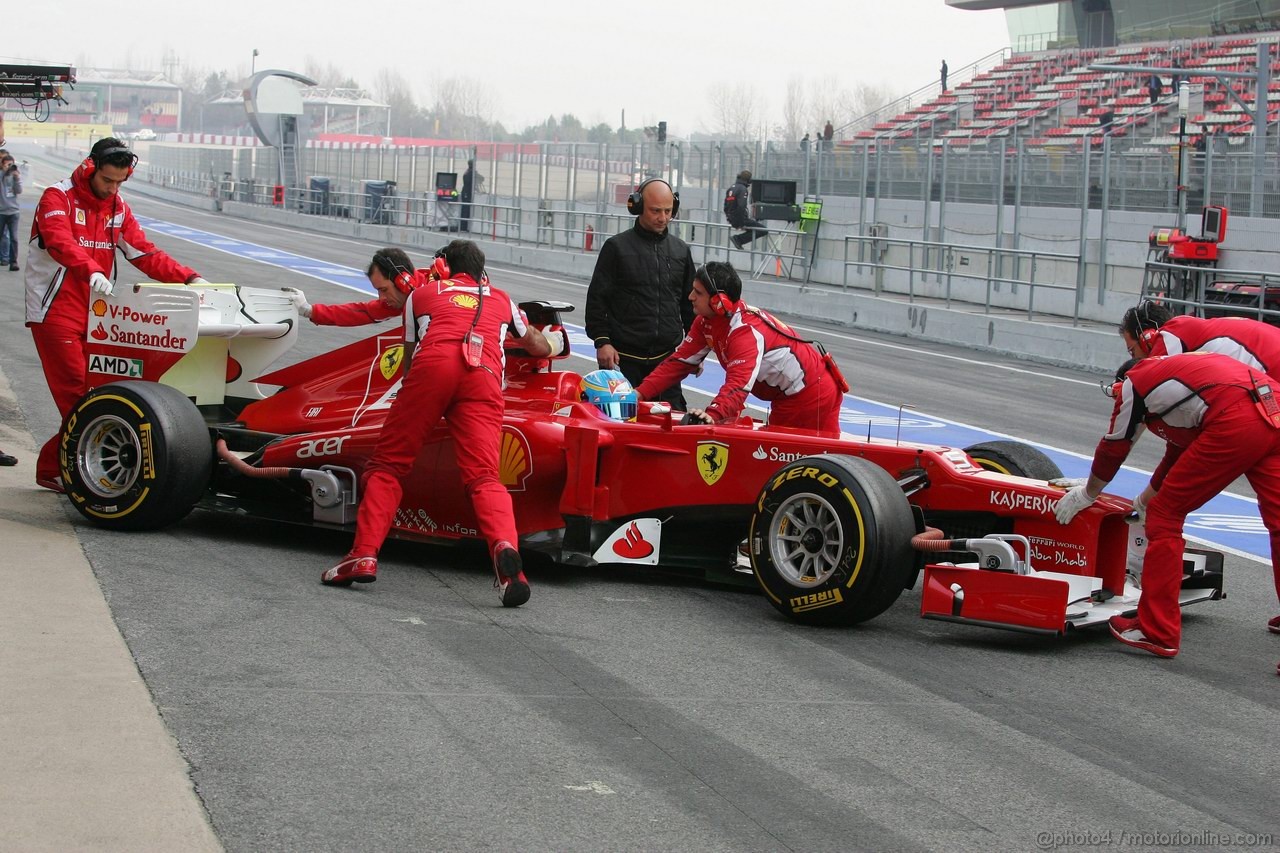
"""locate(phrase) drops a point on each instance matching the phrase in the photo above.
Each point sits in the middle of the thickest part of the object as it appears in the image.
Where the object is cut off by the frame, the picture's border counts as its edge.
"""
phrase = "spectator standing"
(1154, 87)
(471, 182)
(737, 209)
(804, 144)
(942, 74)
(10, 189)
(1106, 117)
(637, 303)
(453, 336)
(79, 224)
(827, 133)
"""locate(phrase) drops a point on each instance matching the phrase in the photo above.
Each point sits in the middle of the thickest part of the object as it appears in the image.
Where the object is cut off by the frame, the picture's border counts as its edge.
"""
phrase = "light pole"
(1184, 106)
(253, 63)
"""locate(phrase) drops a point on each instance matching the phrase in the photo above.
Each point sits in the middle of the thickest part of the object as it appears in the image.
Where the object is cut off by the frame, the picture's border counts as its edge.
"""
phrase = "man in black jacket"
(737, 209)
(638, 307)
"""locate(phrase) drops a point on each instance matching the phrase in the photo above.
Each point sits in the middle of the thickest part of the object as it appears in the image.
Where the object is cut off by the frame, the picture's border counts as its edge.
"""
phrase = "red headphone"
(94, 160)
(401, 277)
(719, 303)
(440, 267)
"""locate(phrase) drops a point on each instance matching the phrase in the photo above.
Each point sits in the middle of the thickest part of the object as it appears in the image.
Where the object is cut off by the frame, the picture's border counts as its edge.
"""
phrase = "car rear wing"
(207, 340)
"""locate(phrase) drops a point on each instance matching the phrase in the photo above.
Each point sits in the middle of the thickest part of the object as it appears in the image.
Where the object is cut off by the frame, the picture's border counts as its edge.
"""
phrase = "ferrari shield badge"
(389, 362)
(713, 459)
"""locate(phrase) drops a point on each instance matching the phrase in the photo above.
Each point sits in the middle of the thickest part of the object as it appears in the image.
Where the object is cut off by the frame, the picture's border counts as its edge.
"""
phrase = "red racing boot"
(351, 570)
(1126, 630)
(509, 580)
(1273, 624)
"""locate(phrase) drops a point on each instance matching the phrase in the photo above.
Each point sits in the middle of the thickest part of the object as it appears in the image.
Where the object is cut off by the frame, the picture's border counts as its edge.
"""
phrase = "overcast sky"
(535, 57)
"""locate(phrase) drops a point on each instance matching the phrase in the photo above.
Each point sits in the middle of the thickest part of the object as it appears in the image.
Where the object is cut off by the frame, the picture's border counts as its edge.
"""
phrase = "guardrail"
(924, 258)
(1213, 291)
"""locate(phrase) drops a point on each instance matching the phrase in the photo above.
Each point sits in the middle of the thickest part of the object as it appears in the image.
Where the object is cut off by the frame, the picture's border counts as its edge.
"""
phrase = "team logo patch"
(79, 216)
(390, 360)
(465, 300)
(515, 462)
(713, 459)
(99, 308)
(638, 541)
(109, 365)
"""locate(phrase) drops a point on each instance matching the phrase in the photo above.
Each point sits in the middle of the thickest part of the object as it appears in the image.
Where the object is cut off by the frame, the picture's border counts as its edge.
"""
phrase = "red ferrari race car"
(835, 528)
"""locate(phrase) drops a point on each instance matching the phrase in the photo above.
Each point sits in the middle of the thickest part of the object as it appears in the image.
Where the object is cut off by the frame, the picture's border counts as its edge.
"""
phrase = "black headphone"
(95, 159)
(719, 303)
(635, 201)
(1148, 330)
(401, 277)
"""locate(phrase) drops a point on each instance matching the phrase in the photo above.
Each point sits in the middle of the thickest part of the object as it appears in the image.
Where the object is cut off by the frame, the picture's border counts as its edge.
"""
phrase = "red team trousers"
(1234, 442)
(439, 384)
(62, 355)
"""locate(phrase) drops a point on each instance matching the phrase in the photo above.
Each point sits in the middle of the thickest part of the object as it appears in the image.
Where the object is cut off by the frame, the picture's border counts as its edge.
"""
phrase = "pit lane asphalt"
(618, 711)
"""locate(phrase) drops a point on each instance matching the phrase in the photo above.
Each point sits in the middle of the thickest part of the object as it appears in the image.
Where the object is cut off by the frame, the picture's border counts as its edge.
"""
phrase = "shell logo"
(465, 300)
(99, 308)
(515, 461)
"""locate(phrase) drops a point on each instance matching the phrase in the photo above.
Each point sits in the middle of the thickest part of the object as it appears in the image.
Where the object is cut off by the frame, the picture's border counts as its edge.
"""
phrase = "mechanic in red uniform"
(390, 272)
(1209, 409)
(453, 367)
(760, 355)
(79, 224)
(1150, 329)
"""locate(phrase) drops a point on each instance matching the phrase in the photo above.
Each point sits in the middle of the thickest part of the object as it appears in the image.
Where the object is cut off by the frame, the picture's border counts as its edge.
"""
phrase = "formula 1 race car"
(835, 527)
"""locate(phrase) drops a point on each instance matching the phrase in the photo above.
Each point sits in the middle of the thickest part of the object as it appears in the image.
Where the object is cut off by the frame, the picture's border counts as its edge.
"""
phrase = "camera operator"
(10, 189)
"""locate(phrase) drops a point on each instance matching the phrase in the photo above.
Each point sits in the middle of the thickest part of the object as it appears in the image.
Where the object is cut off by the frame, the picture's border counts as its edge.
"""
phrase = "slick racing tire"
(1014, 457)
(137, 455)
(830, 540)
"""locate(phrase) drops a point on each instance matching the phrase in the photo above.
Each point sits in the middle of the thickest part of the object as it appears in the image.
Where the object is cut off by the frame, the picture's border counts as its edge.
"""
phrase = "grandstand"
(1056, 98)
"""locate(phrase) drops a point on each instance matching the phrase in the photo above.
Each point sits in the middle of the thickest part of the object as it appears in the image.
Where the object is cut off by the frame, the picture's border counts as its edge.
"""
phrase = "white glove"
(1068, 482)
(100, 284)
(1070, 504)
(299, 300)
(556, 340)
(198, 280)
(1140, 504)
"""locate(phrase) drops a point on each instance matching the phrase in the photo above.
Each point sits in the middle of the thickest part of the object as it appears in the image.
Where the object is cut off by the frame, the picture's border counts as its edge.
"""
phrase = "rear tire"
(1014, 457)
(137, 455)
(831, 540)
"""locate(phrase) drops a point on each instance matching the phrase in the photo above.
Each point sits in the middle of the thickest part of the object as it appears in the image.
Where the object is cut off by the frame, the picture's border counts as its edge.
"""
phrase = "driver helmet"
(611, 393)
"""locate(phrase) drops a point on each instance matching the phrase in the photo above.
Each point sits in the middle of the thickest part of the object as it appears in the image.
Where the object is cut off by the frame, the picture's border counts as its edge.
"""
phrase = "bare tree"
(793, 109)
(464, 107)
(738, 110)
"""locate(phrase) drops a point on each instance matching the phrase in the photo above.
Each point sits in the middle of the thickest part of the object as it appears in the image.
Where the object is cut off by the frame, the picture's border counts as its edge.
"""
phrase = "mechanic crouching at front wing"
(1219, 420)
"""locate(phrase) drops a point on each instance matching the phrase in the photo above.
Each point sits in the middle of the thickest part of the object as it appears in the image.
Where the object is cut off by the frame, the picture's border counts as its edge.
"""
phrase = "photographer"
(10, 189)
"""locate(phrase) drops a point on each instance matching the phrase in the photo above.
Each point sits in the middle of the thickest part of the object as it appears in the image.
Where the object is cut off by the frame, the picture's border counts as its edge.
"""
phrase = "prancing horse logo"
(713, 459)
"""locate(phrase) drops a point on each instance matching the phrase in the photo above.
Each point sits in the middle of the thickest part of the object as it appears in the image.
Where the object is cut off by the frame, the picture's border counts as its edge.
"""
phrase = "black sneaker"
(6, 460)
(14, 268)
(509, 579)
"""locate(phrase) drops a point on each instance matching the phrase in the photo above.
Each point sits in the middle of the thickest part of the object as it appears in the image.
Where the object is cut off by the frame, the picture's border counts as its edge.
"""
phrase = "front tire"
(1014, 457)
(137, 455)
(831, 540)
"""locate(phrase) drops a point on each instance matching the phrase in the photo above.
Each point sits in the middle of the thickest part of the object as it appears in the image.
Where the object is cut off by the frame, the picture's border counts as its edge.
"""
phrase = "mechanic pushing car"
(1219, 419)
(390, 272)
(79, 224)
(1151, 330)
(453, 335)
(760, 354)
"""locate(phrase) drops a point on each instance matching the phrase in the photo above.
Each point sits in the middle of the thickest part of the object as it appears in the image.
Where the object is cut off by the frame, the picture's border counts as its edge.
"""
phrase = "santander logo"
(633, 546)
